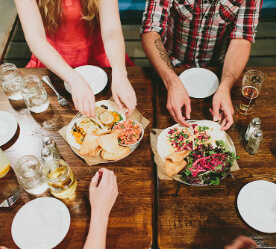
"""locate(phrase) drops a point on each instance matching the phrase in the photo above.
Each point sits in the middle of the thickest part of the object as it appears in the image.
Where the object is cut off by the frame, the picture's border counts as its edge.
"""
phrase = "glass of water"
(30, 174)
(34, 94)
(11, 81)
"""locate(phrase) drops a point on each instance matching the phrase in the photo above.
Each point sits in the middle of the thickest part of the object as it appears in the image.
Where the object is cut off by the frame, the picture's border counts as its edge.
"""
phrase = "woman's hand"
(103, 192)
(122, 92)
(83, 97)
(242, 242)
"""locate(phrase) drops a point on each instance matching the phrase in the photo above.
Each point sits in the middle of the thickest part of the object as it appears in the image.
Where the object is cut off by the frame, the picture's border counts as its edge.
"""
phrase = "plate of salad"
(205, 153)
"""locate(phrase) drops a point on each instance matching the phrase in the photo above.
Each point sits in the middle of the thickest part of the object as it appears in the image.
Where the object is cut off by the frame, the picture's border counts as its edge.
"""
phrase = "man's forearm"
(235, 61)
(158, 57)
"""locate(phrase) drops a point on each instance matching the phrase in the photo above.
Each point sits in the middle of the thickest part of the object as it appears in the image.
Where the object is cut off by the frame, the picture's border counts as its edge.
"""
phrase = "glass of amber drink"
(251, 87)
(60, 178)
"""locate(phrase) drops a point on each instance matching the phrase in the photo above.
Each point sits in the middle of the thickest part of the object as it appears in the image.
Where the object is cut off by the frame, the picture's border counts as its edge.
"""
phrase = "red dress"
(73, 42)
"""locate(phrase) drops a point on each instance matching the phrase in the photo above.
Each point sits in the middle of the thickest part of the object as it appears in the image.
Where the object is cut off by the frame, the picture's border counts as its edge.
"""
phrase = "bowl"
(141, 135)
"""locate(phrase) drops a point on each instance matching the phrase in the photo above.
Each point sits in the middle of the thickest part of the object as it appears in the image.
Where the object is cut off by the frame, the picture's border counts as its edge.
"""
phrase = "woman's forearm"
(96, 238)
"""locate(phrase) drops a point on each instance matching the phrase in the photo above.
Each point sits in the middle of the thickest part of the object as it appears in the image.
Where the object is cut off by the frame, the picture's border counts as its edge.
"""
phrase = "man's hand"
(122, 92)
(242, 242)
(178, 101)
(222, 101)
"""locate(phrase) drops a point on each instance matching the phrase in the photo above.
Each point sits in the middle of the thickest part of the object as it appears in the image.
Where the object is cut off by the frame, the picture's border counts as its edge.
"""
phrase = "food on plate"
(177, 156)
(130, 132)
(90, 147)
(123, 151)
(106, 118)
(109, 143)
(81, 127)
(207, 162)
(175, 162)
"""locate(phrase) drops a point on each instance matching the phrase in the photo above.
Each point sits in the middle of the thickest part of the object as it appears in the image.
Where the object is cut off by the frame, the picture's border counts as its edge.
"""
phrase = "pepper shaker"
(254, 142)
(51, 144)
(253, 125)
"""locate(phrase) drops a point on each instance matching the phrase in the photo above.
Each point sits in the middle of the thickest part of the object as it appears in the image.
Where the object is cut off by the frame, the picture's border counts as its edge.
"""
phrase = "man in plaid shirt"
(199, 33)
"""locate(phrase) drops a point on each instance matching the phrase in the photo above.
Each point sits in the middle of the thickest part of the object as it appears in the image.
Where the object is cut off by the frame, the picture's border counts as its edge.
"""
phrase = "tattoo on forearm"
(162, 52)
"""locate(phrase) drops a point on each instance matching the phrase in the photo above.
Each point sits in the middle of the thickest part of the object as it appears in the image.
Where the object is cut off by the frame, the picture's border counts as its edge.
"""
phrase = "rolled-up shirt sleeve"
(247, 20)
(155, 16)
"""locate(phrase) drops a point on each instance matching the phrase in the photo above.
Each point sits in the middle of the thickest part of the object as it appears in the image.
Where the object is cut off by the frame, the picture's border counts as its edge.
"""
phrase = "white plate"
(41, 223)
(257, 205)
(199, 82)
(8, 127)
(95, 77)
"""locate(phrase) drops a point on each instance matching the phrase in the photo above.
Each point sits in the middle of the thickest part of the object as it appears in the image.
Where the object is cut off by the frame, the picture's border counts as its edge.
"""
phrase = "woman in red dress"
(69, 33)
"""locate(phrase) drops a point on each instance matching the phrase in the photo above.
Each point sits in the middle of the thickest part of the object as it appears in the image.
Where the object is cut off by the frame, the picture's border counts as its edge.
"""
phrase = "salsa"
(131, 132)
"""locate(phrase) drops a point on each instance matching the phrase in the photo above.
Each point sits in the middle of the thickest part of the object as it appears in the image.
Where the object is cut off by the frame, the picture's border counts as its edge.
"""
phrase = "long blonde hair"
(51, 13)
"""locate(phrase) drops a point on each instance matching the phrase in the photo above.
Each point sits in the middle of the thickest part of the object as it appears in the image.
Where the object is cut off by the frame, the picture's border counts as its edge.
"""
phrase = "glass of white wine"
(60, 178)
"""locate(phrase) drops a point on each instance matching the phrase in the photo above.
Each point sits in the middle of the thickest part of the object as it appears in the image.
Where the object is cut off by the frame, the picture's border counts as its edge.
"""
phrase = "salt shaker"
(253, 125)
(254, 142)
(46, 155)
(51, 144)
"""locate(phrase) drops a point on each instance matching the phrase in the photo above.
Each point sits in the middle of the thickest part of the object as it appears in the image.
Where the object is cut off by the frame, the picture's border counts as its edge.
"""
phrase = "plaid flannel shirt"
(196, 33)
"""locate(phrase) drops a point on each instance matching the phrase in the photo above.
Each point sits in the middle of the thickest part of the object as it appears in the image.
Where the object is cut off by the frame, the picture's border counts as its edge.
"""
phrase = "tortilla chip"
(90, 146)
(109, 143)
(177, 156)
(101, 132)
(115, 156)
(173, 168)
(116, 131)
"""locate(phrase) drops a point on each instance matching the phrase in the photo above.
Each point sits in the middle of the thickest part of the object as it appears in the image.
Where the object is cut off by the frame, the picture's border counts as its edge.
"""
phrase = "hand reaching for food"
(83, 97)
(179, 102)
(123, 92)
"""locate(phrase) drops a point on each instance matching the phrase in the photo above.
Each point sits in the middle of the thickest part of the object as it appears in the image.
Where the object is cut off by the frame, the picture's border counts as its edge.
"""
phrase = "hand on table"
(83, 97)
(122, 92)
(222, 101)
(103, 192)
(179, 101)
(242, 242)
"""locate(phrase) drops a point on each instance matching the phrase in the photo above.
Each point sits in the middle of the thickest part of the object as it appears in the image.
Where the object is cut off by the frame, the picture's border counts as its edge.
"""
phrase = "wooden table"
(130, 223)
(207, 217)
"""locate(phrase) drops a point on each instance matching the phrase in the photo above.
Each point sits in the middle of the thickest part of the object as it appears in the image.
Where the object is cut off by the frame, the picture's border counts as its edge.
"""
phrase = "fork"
(11, 200)
(61, 100)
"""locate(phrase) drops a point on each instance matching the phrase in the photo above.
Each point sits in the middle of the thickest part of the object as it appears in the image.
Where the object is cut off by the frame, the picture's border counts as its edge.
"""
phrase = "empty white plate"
(257, 205)
(95, 77)
(199, 82)
(41, 223)
(8, 127)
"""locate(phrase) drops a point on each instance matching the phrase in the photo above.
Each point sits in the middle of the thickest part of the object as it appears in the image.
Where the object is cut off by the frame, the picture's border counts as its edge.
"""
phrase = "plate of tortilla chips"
(199, 155)
(93, 138)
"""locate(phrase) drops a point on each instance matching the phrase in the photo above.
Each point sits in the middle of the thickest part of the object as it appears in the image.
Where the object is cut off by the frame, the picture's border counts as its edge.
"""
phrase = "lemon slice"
(4, 164)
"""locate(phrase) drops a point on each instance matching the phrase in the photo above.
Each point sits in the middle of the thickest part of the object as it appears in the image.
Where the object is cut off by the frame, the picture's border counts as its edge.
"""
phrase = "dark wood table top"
(130, 223)
(207, 217)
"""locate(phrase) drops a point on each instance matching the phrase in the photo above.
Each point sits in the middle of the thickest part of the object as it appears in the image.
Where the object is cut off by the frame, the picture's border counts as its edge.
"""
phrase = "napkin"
(160, 163)
(136, 115)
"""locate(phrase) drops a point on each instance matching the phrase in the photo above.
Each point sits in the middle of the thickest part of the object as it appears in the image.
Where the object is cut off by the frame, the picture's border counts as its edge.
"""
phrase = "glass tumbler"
(251, 88)
(34, 94)
(60, 178)
(11, 81)
(30, 174)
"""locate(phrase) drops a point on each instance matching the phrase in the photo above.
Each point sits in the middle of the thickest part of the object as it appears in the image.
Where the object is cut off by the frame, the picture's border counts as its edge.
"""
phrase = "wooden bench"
(8, 15)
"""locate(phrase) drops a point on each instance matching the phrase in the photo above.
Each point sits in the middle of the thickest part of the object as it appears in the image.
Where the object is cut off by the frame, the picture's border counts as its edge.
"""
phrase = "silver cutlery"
(61, 100)
(11, 200)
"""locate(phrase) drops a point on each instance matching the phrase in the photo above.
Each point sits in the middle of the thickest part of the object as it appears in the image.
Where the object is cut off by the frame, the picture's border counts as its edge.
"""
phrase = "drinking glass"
(30, 174)
(251, 87)
(34, 94)
(11, 81)
(60, 178)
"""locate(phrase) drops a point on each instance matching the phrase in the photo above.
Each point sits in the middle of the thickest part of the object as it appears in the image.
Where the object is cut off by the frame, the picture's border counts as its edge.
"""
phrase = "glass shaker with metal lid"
(253, 125)
(254, 142)
(48, 142)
